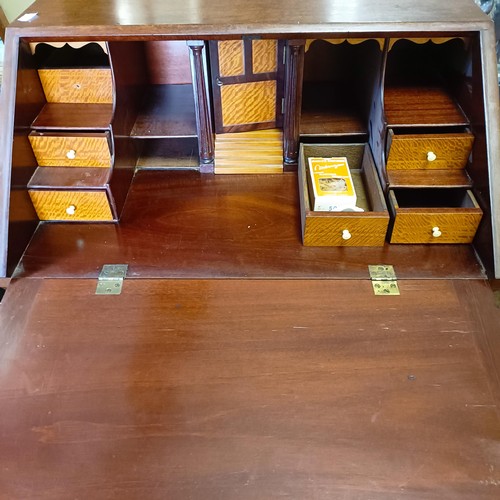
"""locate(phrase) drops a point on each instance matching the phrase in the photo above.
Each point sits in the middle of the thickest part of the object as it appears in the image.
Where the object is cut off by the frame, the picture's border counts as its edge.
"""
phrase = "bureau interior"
(152, 115)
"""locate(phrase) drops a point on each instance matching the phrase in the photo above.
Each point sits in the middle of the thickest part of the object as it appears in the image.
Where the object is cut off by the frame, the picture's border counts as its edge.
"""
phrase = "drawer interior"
(434, 198)
(369, 194)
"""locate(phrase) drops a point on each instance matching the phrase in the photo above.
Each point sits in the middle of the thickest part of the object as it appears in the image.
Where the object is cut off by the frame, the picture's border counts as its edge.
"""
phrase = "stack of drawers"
(427, 155)
(72, 141)
(428, 144)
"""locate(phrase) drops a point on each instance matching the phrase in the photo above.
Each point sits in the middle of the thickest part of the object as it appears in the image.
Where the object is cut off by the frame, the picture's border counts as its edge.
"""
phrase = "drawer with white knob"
(434, 215)
(77, 85)
(346, 228)
(53, 149)
(71, 205)
(428, 151)
(72, 194)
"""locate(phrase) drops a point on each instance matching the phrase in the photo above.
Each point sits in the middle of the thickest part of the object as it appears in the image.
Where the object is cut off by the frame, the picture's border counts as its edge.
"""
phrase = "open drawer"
(72, 194)
(434, 215)
(65, 149)
(366, 228)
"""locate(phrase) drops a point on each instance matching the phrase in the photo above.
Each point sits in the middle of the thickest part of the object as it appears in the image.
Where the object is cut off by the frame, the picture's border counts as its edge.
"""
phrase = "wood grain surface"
(256, 17)
(410, 151)
(264, 56)
(231, 57)
(183, 224)
(413, 106)
(250, 389)
(415, 225)
(74, 115)
(71, 150)
(88, 86)
(256, 152)
(88, 205)
(248, 103)
(367, 228)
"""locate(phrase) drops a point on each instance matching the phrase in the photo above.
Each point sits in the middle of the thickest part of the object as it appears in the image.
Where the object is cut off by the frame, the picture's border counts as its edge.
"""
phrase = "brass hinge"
(110, 280)
(384, 280)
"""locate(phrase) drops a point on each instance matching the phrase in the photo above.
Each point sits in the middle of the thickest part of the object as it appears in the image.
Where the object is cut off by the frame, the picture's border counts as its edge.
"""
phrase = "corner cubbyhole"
(155, 102)
(423, 81)
(338, 87)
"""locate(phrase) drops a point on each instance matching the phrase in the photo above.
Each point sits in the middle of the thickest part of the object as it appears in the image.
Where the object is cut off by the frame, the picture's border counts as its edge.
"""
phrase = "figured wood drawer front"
(435, 225)
(71, 205)
(341, 230)
(88, 85)
(429, 151)
(71, 150)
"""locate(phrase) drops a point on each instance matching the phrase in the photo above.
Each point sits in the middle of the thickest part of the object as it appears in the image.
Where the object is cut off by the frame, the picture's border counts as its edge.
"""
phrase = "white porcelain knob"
(436, 232)
(71, 210)
(431, 156)
(71, 154)
(346, 235)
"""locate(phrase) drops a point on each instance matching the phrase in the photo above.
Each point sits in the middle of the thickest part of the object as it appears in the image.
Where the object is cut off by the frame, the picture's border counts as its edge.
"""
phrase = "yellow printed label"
(331, 181)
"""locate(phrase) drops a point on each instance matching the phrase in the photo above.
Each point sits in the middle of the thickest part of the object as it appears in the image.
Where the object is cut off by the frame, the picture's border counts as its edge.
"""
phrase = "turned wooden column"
(202, 104)
(293, 99)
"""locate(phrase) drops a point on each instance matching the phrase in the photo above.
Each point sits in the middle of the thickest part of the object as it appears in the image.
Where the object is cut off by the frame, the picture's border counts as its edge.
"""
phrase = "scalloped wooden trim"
(74, 45)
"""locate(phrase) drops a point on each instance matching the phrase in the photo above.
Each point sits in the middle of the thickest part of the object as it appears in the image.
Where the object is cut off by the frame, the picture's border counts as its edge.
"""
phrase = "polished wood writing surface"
(210, 389)
(185, 224)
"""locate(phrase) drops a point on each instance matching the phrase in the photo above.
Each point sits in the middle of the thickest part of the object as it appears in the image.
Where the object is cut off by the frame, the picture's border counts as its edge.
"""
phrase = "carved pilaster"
(202, 104)
(293, 99)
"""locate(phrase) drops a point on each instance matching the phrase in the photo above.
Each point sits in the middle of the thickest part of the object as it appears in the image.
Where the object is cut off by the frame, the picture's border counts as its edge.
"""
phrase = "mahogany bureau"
(178, 322)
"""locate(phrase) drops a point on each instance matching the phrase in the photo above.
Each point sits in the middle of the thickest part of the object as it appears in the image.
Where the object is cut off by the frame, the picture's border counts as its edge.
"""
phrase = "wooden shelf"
(429, 178)
(182, 224)
(178, 152)
(407, 106)
(69, 177)
(167, 111)
(74, 116)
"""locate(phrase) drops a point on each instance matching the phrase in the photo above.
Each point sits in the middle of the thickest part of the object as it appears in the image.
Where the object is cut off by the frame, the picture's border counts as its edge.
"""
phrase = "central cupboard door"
(247, 80)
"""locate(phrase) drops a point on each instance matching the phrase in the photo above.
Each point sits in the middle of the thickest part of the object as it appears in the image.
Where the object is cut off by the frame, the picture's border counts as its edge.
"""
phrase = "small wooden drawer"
(366, 228)
(428, 151)
(447, 215)
(71, 205)
(71, 149)
(77, 85)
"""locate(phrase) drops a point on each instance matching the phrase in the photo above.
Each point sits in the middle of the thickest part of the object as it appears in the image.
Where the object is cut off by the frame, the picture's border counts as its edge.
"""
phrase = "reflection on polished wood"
(209, 389)
(187, 225)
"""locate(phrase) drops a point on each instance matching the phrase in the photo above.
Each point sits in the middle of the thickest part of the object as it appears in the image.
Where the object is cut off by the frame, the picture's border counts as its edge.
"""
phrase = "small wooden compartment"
(63, 149)
(366, 228)
(439, 215)
(72, 194)
(338, 84)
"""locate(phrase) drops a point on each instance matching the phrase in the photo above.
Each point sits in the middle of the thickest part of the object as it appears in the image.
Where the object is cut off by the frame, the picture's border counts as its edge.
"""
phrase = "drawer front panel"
(429, 151)
(89, 85)
(71, 151)
(434, 227)
(71, 205)
(357, 231)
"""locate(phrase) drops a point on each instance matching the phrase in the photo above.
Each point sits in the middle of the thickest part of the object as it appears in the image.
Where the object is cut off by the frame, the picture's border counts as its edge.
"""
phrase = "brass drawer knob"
(71, 210)
(436, 232)
(346, 235)
(431, 156)
(71, 154)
